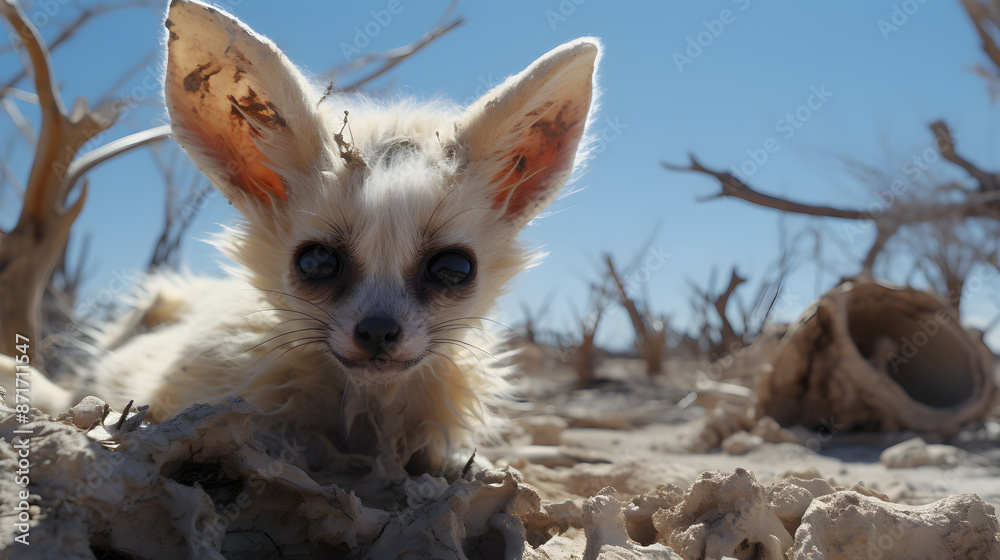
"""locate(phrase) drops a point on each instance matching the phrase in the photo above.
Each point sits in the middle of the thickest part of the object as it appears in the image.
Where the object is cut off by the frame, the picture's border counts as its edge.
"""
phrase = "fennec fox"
(376, 238)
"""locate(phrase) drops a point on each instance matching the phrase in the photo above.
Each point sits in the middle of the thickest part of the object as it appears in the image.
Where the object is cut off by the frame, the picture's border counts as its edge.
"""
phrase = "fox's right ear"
(523, 136)
(237, 106)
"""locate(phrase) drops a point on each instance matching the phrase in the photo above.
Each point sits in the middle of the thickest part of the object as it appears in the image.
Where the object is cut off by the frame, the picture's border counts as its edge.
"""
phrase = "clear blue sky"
(761, 64)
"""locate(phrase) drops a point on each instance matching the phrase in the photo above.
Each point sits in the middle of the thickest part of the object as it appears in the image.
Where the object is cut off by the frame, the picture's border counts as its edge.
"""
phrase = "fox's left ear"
(523, 135)
(237, 106)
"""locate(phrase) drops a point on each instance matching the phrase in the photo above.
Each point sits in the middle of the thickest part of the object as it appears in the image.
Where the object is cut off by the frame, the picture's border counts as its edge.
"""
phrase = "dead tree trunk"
(650, 338)
(585, 353)
(728, 339)
(29, 252)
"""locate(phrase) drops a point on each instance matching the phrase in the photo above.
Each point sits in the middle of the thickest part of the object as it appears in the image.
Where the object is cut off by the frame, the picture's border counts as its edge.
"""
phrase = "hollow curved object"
(869, 356)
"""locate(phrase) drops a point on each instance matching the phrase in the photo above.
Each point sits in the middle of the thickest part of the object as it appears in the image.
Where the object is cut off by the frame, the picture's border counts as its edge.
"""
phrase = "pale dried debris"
(128, 499)
(628, 476)
(724, 514)
(769, 429)
(792, 496)
(545, 455)
(720, 422)
(730, 514)
(846, 525)
(708, 393)
(918, 453)
(604, 526)
(639, 512)
(85, 413)
(741, 443)
(728, 419)
(544, 429)
(200, 486)
(735, 423)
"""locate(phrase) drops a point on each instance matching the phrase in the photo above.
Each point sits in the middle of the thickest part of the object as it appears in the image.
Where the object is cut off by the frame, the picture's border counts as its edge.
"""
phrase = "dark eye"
(450, 268)
(318, 262)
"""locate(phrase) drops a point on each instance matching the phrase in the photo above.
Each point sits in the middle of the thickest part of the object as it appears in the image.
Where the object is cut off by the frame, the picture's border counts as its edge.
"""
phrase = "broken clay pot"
(870, 356)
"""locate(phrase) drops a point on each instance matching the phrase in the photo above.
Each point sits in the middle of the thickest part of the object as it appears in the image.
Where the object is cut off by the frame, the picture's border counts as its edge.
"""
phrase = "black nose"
(376, 333)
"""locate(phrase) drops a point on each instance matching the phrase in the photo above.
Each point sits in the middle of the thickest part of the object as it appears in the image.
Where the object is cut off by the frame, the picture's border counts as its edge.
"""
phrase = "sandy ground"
(662, 435)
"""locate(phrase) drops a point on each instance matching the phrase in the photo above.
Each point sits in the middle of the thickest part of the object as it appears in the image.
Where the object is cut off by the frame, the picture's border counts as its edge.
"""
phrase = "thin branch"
(733, 187)
(19, 94)
(108, 97)
(391, 58)
(397, 56)
(976, 205)
(722, 302)
(38, 55)
(179, 212)
(638, 321)
(11, 179)
(988, 182)
(19, 121)
(980, 18)
(67, 32)
(89, 160)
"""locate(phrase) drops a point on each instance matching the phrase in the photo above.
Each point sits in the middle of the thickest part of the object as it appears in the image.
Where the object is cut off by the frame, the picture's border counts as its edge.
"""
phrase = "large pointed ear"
(237, 106)
(523, 136)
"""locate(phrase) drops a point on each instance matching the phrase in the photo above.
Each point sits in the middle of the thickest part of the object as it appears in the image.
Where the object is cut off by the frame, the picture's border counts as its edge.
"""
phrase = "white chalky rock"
(847, 525)
(724, 514)
(918, 453)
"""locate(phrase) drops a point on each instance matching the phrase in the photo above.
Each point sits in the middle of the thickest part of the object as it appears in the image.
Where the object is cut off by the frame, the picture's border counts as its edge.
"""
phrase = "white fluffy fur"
(401, 182)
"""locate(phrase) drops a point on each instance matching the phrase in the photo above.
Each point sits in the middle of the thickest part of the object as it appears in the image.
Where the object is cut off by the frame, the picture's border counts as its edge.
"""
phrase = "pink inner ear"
(246, 166)
(224, 134)
(546, 151)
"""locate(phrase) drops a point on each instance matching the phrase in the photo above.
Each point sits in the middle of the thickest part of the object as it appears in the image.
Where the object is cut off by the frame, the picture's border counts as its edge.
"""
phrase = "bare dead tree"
(532, 317)
(723, 339)
(29, 253)
(182, 205)
(936, 218)
(983, 201)
(945, 257)
(716, 330)
(650, 330)
(985, 16)
(580, 345)
(379, 63)
(81, 18)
